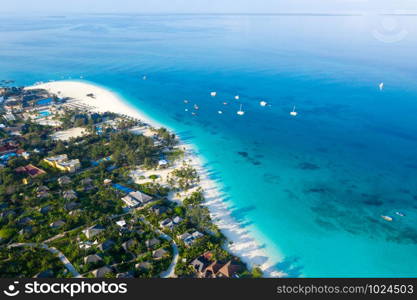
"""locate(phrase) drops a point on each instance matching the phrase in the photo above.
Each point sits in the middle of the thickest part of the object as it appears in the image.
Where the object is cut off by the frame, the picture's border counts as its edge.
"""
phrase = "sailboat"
(240, 112)
(381, 86)
(293, 113)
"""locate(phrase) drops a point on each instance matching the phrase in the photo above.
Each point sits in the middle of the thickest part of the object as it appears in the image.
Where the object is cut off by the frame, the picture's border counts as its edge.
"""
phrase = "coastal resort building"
(162, 163)
(190, 238)
(159, 254)
(152, 242)
(7, 148)
(69, 195)
(107, 245)
(136, 198)
(45, 209)
(202, 262)
(143, 266)
(71, 206)
(170, 223)
(93, 231)
(205, 267)
(229, 270)
(64, 180)
(92, 259)
(57, 224)
(159, 209)
(31, 171)
(62, 163)
(128, 274)
(102, 272)
(129, 245)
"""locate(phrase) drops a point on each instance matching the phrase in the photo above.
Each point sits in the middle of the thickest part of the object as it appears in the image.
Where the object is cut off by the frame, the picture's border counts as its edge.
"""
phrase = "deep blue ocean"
(311, 188)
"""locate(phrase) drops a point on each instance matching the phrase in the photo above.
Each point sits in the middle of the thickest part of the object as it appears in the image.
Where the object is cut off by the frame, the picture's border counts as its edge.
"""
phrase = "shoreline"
(241, 242)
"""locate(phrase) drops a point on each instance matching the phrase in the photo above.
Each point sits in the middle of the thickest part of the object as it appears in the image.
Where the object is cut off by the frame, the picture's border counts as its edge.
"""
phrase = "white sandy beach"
(243, 244)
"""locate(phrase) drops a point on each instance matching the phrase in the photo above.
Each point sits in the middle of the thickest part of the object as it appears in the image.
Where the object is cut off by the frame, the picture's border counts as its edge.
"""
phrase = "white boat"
(196, 107)
(144, 77)
(263, 103)
(387, 218)
(400, 214)
(240, 112)
(237, 97)
(219, 112)
(185, 101)
(293, 112)
(381, 86)
(186, 109)
(213, 94)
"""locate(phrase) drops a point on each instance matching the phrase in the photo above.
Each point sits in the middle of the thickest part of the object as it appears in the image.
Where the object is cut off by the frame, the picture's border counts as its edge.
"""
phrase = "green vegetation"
(29, 262)
(57, 207)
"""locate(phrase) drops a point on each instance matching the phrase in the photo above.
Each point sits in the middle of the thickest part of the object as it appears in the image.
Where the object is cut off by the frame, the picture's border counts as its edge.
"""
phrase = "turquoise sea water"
(311, 188)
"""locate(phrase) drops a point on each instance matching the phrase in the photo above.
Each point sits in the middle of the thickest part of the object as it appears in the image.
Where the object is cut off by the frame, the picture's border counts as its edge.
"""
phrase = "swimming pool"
(122, 188)
(43, 114)
(44, 101)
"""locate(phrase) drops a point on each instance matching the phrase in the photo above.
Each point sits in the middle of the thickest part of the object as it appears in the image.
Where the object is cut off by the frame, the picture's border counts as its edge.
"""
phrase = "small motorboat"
(387, 218)
(196, 107)
(213, 94)
(263, 103)
(186, 101)
(224, 103)
(398, 213)
(237, 97)
(220, 112)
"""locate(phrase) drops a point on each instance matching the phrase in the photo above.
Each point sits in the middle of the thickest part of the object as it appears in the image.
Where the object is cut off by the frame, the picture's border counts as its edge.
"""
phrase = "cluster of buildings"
(9, 149)
(18, 99)
(129, 246)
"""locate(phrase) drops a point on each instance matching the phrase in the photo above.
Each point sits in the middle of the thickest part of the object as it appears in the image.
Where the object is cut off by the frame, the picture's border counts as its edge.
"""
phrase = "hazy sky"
(201, 6)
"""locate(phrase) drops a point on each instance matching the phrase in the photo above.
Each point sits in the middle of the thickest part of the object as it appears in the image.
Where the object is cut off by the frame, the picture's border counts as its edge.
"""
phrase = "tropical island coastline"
(89, 98)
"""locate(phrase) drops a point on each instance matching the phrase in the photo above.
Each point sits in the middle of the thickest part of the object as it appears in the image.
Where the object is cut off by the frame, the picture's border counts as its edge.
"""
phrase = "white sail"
(381, 86)
(240, 112)
(293, 112)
